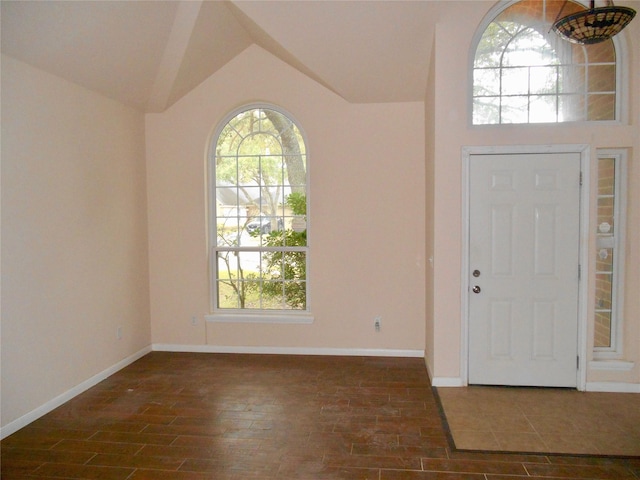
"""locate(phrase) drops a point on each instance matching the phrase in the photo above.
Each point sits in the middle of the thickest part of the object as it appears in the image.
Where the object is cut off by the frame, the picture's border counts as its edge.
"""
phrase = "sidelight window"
(609, 259)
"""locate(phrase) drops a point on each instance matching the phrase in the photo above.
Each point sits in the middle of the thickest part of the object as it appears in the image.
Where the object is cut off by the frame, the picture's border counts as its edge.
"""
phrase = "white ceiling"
(148, 54)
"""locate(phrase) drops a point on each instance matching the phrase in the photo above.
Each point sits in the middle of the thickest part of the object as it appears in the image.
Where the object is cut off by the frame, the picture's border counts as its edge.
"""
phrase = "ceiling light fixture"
(593, 25)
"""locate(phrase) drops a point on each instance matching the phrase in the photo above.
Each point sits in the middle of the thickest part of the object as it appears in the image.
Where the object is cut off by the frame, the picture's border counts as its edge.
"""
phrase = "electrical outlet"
(377, 323)
(194, 320)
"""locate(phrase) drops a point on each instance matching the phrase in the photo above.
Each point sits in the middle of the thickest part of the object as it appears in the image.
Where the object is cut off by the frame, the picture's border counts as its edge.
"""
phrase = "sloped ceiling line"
(181, 31)
(149, 54)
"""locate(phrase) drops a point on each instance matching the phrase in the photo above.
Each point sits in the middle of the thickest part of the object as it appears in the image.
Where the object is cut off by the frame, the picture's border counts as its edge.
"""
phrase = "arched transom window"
(524, 73)
(259, 247)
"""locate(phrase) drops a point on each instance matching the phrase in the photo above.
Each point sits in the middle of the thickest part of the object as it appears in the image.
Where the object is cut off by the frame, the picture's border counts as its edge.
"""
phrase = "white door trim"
(585, 157)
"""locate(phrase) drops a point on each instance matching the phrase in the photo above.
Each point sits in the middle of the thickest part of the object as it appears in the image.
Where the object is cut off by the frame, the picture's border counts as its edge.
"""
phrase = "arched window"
(259, 247)
(524, 73)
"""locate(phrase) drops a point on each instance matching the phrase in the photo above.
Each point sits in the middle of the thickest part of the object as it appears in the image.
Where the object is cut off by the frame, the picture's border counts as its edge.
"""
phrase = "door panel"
(524, 240)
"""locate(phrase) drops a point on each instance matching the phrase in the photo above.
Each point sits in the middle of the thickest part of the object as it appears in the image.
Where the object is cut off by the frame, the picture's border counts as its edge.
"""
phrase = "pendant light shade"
(594, 25)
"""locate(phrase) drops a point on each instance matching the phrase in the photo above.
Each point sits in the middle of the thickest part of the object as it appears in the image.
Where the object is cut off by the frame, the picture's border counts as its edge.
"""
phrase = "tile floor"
(187, 416)
(543, 420)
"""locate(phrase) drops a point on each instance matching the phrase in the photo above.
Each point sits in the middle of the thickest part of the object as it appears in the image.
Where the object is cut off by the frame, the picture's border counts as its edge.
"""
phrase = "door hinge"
(579, 271)
(580, 178)
(578, 363)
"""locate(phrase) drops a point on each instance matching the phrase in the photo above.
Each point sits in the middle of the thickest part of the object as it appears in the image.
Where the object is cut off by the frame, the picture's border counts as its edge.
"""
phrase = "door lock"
(476, 273)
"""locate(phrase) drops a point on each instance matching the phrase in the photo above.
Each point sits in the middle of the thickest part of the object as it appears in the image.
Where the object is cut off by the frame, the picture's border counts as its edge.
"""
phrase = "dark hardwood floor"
(184, 416)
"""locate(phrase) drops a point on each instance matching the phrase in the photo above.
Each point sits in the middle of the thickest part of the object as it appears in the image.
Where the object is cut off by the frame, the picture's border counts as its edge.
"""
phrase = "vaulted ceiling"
(148, 54)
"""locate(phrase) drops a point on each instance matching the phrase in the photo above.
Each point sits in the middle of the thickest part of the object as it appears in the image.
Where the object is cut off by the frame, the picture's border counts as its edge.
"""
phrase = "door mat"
(541, 420)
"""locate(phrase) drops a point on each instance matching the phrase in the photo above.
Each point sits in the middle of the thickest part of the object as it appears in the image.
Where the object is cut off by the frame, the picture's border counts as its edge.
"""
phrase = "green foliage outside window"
(287, 271)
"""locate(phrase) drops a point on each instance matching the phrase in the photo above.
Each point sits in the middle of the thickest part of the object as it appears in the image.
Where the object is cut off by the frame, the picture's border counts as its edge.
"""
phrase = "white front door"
(524, 236)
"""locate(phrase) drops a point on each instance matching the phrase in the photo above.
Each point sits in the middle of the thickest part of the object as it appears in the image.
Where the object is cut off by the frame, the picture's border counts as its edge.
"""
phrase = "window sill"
(613, 365)
(273, 318)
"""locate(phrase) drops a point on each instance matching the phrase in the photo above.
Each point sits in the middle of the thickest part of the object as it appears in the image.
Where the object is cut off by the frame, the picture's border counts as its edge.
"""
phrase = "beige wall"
(74, 237)
(453, 133)
(367, 204)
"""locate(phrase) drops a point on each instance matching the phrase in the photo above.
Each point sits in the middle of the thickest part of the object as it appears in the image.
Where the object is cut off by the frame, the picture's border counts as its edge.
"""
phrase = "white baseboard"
(33, 415)
(611, 365)
(591, 386)
(352, 352)
(447, 382)
(613, 387)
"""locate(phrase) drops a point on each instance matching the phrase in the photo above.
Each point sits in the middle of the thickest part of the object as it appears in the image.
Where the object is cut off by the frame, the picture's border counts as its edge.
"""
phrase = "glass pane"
(486, 110)
(486, 81)
(251, 293)
(297, 236)
(227, 265)
(601, 52)
(226, 212)
(249, 263)
(605, 215)
(604, 260)
(296, 294)
(602, 78)
(604, 289)
(578, 53)
(226, 198)
(601, 107)
(571, 108)
(273, 295)
(295, 266)
(280, 238)
(226, 171)
(543, 80)
(606, 176)
(227, 296)
(228, 232)
(247, 168)
(515, 110)
(571, 79)
(543, 109)
(515, 81)
(272, 264)
(250, 196)
(602, 332)
(227, 225)
(272, 170)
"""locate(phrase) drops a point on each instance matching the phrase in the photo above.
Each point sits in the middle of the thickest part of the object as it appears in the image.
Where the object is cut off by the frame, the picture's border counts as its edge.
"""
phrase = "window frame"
(621, 82)
(227, 315)
(615, 350)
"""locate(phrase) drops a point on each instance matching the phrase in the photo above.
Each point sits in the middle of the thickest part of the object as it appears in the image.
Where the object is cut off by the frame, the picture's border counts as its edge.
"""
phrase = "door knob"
(476, 289)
